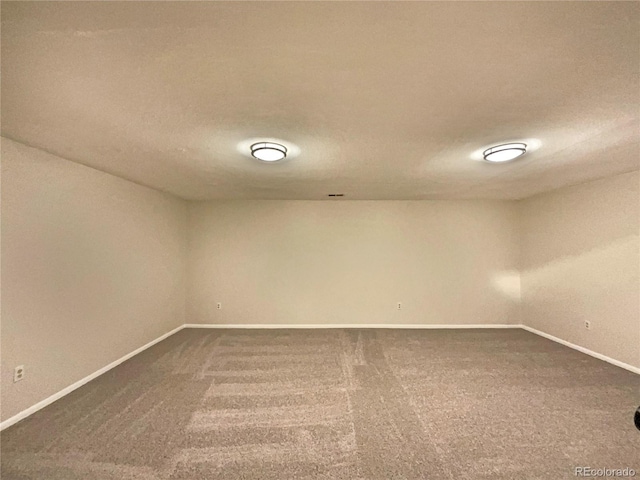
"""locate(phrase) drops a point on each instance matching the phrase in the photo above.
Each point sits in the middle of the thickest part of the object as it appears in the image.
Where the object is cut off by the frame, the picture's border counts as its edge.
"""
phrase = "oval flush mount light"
(504, 153)
(268, 151)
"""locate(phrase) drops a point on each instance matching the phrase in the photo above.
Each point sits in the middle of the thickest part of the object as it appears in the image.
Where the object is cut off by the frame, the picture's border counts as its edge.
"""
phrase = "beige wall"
(306, 262)
(580, 261)
(92, 268)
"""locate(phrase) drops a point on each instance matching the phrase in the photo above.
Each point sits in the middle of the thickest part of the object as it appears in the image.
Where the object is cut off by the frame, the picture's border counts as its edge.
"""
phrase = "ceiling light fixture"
(268, 152)
(505, 153)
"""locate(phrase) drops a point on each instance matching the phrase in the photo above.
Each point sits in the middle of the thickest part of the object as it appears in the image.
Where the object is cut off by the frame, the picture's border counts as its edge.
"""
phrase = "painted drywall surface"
(93, 267)
(306, 262)
(384, 99)
(580, 262)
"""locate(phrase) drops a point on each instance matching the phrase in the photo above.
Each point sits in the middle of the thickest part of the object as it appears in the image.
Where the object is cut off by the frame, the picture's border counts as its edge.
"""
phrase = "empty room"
(320, 240)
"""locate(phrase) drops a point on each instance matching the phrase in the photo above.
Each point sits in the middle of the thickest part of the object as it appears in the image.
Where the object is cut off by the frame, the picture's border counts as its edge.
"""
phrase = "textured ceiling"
(385, 100)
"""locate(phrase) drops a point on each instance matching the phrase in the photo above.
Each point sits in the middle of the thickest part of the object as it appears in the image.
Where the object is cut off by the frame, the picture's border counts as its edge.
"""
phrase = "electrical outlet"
(18, 373)
(399, 306)
(587, 324)
(219, 306)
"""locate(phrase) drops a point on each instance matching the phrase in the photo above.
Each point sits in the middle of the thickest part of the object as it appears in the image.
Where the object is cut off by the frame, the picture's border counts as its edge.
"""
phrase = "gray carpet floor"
(337, 404)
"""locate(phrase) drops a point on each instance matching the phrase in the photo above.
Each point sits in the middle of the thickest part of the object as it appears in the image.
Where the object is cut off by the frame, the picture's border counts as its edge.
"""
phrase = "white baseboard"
(345, 325)
(597, 355)
(47, 401)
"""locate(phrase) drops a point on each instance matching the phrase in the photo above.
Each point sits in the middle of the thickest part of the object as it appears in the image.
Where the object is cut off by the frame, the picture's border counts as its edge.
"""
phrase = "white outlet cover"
(18, 373)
